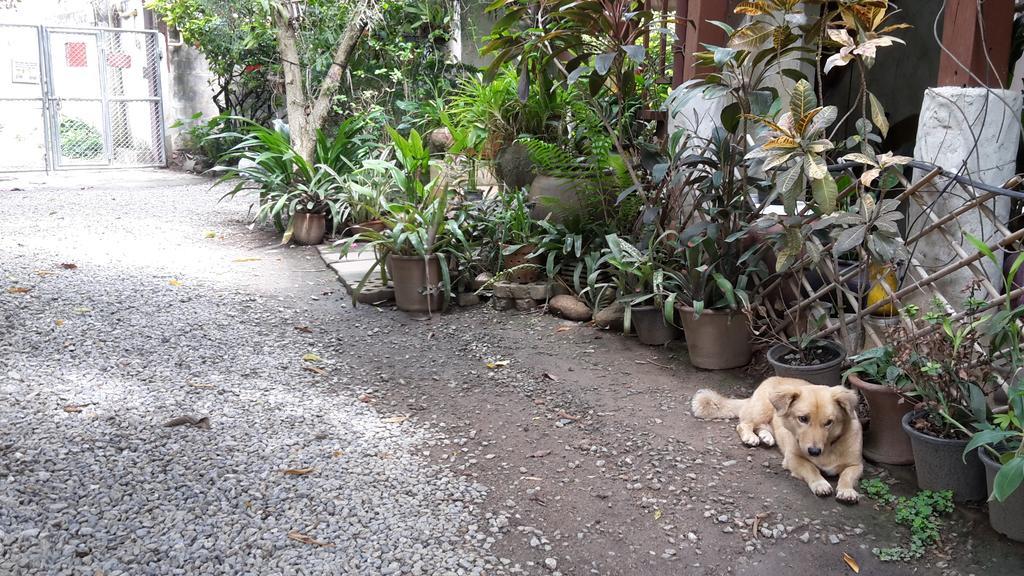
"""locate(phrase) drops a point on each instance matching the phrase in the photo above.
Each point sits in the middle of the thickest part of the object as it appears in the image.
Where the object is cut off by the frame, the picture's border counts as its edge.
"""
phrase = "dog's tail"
(710, 404)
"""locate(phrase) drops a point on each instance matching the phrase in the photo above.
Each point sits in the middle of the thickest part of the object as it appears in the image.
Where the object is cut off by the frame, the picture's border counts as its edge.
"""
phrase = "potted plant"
(714, 304)
(803, 356)
(720, 262)
(411, 253)
(646, 286)
(1000, 445)
(411, 250)
(884, 387)
(951, 381)
(291, 189)
(999, 440)
(516, 235)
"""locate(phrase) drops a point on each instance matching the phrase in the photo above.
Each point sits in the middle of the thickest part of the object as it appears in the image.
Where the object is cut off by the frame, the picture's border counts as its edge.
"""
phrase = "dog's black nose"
(814, 451)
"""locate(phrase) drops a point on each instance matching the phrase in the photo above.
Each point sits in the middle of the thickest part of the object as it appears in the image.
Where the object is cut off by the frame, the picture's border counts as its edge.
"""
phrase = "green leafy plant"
(951, 375)
(921, 514)
(79, 140)
(644, 278)
(1003, 433)
(876, 366)
(202, 134)
(265, 161)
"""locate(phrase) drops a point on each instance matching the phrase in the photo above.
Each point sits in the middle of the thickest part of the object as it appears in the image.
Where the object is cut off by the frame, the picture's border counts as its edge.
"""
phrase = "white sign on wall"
(24, 72)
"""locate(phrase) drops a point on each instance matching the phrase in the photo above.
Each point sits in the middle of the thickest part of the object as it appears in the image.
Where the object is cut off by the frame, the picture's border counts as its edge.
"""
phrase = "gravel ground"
(131, 299)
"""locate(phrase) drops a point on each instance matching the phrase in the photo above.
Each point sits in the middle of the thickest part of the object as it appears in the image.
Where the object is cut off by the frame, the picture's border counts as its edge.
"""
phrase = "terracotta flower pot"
(940, 464)
(368, 226)
(524, 275)
(826, 373)
(651, 328)
(417, 282)
(717, 339)
(885, 441)
(1006, 517)
(308, 229)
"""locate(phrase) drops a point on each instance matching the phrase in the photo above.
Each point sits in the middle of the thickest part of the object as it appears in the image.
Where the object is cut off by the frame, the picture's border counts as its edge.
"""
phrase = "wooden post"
(699, 31)
(982, 45)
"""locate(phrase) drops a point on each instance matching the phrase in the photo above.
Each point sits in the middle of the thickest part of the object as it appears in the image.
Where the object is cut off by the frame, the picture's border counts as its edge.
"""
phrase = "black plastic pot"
(829, 373)
(651, 328)
(940, 464)
(1006, 517)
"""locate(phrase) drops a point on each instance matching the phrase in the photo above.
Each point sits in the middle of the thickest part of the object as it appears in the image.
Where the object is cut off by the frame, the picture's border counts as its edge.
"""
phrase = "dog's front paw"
(847, 495)
(821, 487)
(750, 440)
(766, 437)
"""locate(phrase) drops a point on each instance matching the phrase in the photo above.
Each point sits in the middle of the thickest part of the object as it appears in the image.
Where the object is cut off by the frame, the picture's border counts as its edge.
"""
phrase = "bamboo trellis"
(917, 281)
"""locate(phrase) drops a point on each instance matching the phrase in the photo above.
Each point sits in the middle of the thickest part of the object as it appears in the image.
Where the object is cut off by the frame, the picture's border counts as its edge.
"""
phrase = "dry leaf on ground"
(337, 453)
(83, 310)
(45, 272)
(245, 260)
(74, 408)
(306, 539)
(211, 234)
(395, 419)
(58, 322)
(69, 266)
(202, 422)
(299, 471)
(315, 370)
(851, 563)
(657, 514)
(174, 282)
(18, 290)
(497, 364)
(564, 328)
(304, 329)
(311, 357)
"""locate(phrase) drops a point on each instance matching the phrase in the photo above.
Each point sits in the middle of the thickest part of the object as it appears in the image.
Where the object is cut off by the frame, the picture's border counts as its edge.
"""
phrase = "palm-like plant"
(264, 160)
(644, 278)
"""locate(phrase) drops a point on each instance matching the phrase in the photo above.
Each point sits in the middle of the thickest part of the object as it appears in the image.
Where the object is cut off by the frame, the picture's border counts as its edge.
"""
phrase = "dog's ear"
(782, 399)
(847, 400)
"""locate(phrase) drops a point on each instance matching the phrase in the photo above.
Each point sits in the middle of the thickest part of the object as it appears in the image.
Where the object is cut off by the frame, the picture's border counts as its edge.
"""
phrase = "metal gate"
(79, 97)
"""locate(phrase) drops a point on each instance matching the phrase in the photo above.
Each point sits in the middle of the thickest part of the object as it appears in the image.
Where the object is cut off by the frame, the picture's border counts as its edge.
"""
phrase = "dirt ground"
(584, 437)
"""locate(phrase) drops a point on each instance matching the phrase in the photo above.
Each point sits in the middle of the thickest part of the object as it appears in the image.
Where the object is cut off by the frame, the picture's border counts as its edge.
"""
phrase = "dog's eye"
(803, 419)
(828, 423)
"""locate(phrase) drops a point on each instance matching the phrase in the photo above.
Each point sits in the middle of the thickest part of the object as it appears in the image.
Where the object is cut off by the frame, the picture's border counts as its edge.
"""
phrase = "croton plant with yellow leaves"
(770, 70)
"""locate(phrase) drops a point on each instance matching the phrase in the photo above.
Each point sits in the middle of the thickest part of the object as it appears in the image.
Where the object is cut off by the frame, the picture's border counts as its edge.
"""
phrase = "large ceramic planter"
(553, 198)
(885, 442)
(417, 282)
(1006, 517)
(651, 328)
(521, 256)
(827, 373)
(308, 229)
(717, 339)
(940, 464)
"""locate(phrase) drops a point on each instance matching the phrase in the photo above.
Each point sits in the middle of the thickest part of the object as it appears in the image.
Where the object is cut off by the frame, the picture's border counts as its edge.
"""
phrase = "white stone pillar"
(974, 132)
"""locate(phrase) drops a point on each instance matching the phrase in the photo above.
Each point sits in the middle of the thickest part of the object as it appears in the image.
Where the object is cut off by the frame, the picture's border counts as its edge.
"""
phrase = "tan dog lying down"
(816, 428)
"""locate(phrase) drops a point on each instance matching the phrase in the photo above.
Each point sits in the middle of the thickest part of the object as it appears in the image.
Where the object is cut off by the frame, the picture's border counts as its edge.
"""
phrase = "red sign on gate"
(119, 60)
(75, 55)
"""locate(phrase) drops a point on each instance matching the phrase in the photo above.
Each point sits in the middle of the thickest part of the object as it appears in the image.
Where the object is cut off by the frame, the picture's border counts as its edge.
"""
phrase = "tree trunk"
(295, 98)
(306, 115)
